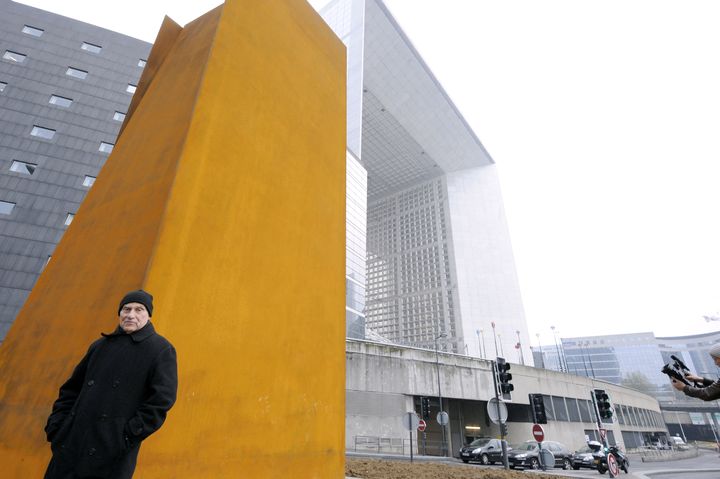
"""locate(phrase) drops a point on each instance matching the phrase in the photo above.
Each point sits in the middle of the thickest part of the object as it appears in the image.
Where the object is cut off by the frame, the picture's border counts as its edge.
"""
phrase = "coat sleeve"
(709, 393)
(69, 393)
(159, 398)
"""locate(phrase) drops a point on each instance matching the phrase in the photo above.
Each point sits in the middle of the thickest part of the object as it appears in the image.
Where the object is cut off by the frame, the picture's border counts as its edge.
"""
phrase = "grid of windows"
(409, 297)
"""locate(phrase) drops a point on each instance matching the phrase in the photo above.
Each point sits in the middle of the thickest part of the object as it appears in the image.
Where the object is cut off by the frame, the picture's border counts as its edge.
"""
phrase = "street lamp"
(481, 345)
(557, 348)
(542, 358)
(519, 345)
(437, 365)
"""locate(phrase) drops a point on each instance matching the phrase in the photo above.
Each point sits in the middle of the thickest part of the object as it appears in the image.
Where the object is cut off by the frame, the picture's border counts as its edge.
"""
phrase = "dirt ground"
(381, 469)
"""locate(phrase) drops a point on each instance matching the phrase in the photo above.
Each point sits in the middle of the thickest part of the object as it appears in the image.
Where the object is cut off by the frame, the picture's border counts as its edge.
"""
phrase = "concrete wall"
(378, 376)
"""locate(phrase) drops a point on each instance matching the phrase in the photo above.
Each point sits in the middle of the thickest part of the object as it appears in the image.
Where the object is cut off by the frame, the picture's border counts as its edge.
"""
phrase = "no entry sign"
(613, 465)
(422, 425)
(538, 433)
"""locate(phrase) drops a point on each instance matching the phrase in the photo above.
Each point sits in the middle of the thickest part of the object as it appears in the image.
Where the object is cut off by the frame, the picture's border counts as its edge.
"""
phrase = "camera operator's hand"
(693, 378)
(677, 384)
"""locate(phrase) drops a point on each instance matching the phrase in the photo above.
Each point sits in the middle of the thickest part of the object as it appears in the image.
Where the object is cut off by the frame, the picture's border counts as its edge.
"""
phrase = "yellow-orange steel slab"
(224, 197)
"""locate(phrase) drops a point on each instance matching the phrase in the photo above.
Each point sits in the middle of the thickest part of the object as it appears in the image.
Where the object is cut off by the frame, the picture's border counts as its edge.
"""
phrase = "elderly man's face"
(133, 316)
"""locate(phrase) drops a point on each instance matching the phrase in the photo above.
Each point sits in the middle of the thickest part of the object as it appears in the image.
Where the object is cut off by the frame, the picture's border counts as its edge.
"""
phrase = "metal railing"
(394, 445)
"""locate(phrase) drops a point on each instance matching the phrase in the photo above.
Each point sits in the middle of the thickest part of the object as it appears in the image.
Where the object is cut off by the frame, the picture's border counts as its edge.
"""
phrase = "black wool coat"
(117, 396)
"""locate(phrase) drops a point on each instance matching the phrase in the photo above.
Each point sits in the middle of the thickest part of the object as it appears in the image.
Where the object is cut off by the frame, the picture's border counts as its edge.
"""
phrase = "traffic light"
(504, 377)
(425, 407)
(537, 405)
(604, 406)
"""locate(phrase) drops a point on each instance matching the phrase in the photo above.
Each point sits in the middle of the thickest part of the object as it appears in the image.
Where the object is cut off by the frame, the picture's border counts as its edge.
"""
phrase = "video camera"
(677, 370)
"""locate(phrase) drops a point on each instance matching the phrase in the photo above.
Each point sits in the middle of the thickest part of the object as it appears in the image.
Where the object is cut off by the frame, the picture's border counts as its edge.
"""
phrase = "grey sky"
(602, 118)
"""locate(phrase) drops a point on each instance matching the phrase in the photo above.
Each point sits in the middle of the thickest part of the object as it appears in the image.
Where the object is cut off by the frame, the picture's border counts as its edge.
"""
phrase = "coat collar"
(137, 336)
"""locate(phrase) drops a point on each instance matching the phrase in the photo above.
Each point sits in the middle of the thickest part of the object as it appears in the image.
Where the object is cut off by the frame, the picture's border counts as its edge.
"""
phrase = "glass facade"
(355, 225)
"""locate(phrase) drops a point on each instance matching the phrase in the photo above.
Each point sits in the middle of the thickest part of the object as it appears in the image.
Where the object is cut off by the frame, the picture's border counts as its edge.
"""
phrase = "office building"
(65, 86)
(439, 264)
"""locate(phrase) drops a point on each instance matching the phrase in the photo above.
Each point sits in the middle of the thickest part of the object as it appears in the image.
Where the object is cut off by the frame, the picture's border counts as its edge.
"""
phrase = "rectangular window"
(22, 167)
(2, 85)
(119, 116)
(6, 207)
(60, 101)
(92, 48)
(131, 88)
(41, 132)
(106, 147)
(69, 219)
(36, 32)
(77, 73)
(142, 63)
(88, 180)
(14, 56)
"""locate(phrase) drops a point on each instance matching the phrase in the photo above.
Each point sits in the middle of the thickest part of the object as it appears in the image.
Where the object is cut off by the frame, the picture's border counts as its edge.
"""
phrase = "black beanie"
(139, 296)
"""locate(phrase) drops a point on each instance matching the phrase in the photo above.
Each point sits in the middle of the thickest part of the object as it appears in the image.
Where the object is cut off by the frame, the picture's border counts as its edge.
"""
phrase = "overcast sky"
(603, 119)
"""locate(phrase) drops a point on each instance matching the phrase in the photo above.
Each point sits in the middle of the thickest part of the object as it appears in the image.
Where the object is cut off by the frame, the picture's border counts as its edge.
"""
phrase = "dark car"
(583, 458)
(485, 449)
(526, 455)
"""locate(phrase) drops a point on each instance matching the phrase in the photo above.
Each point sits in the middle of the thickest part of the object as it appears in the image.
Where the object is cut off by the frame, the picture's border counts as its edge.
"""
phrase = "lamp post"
(557, 348)
(592, 369)
(542, 357)
(495, 336)
(481, 345)
(522, 358)
(437, 364)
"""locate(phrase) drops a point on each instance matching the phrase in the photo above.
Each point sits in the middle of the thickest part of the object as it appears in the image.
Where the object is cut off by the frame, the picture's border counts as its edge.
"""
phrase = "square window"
(60, 101)
(106, 147)
(69, 219)
(14, 56)
(119, 116)
(22, 167)
(131, 88)
(92, 48)
(88, 180)
(2, 85)
(6, 207)
(36, 32)
(142, 63)
(41, 132)
(77, 73)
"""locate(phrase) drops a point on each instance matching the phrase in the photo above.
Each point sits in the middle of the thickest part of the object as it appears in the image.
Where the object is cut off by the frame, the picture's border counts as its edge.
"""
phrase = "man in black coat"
(117, 396)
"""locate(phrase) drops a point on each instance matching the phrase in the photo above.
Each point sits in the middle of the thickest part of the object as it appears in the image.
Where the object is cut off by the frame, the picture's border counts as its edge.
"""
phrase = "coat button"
(91, 382)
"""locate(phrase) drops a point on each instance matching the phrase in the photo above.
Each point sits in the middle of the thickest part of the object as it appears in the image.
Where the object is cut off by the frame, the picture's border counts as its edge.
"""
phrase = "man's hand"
(693, 378)
(677, 384)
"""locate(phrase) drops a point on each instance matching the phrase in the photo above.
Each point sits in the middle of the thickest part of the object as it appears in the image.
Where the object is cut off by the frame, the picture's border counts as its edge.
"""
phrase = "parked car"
(677, 443)
(526, 455)
(583, 458)
(485, 449)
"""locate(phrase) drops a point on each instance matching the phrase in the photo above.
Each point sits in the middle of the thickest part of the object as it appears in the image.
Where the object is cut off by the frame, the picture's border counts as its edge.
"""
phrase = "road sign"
(613, 465)
(603, 435)
(492, 410)
(410, 421)
(538, 433)
(442, 418)
(422, 425)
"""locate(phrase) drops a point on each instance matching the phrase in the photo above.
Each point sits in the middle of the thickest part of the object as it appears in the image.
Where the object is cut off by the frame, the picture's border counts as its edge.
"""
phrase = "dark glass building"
(65, 86)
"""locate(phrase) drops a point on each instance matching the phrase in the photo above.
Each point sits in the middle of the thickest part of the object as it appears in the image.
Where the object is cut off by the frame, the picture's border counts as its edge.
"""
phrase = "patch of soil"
(383, 469)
